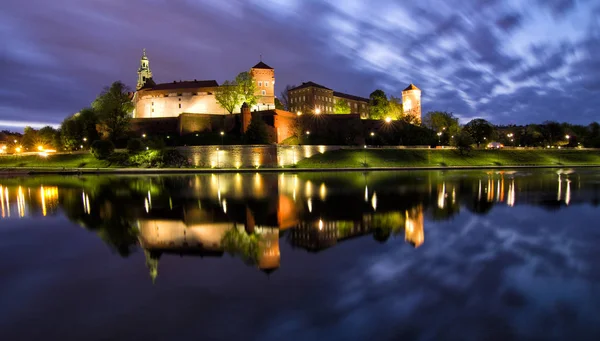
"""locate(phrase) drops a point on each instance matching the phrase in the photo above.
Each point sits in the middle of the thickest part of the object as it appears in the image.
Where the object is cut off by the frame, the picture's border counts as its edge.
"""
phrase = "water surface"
(453, 255)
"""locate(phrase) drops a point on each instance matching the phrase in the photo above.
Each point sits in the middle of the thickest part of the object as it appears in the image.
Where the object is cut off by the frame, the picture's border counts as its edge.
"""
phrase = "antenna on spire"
(261, 57)
(144, 52)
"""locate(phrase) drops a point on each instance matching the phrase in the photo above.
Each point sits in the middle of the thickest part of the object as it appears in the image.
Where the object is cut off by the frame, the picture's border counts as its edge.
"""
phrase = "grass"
(79, 160)
(352, 158)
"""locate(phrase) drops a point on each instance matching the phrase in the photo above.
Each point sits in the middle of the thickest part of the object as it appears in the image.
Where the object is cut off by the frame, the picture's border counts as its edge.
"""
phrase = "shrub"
(463, 142)
(102, 149)
(158, 159)
(135, 146)
(156, 143)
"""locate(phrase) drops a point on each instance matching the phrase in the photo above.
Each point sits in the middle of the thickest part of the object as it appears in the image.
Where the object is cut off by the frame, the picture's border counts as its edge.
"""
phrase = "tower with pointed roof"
(144, 73)
(411, 101)
(264, 76)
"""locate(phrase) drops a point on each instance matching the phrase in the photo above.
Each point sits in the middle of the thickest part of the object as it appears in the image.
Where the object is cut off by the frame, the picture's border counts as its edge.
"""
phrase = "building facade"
(310, 97)
(152, 100)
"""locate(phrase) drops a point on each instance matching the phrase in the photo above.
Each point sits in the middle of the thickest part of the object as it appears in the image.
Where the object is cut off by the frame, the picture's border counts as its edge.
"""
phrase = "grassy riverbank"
(355, 158)
(449, 158)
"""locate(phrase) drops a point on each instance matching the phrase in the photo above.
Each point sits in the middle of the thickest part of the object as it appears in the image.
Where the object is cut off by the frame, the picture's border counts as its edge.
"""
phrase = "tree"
(278, 104)
(113, 107)
(257, 132)
(442, 122)
(479, 129)
(102, 149)
(285, 97)
(49, 137)
(228, 96)
(395, 110)
(463, 142)
(379, 105)
(246, 87)
(342, 107)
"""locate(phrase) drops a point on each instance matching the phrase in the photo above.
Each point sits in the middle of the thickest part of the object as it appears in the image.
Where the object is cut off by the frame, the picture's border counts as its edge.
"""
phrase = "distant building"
(159, 100)
(310, 97)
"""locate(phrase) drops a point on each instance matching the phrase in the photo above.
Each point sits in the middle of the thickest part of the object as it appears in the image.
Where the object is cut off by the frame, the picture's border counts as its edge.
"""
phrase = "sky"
(510, 62)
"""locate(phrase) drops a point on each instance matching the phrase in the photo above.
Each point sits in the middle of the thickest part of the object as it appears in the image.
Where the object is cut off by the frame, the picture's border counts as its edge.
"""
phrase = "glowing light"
(307, 132)
(238, 165)
(222, 133)
(388, 119)
(144, 135)
(224, 206)
(442, 197)
(21, 202)
(372, 134)
(84, 139)
(308, 188)
(18, 149)
(2, 202)
(567, 137)
(40, 148)
(299, 113)
(317, 111)
(321, 149)
(320, 224)
(322, 191)
(366, 194)
(6, 198)
(309, 204)
(511, 194)
(568, 193)
(374, 201)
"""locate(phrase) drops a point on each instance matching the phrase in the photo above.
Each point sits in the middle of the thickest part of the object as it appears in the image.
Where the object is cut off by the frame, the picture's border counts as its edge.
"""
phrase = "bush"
(156, 143)
(158, 159)
(102, 149)
(135, 146)
(463, 142)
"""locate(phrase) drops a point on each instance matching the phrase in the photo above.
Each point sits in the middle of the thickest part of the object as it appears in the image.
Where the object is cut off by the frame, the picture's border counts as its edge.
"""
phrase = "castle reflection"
(247, 215)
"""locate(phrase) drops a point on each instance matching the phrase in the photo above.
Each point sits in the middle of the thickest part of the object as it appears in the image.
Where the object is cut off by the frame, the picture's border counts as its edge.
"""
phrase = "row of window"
(260, 83)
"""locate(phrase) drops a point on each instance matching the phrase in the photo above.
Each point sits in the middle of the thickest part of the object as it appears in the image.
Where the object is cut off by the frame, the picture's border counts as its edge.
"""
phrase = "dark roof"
(411, 87)
(262, 65)
(181, 85)
(309, 85)
(351, 97)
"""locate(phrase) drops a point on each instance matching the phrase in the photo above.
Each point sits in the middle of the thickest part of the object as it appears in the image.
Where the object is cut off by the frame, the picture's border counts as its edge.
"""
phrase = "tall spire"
(144, 72)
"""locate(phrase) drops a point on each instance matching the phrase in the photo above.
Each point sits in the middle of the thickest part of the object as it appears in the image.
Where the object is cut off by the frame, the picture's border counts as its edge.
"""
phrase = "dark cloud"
(483, 58)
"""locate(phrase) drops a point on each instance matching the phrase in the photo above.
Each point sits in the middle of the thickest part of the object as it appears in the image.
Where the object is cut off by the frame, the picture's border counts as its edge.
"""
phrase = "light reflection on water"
(480, 226)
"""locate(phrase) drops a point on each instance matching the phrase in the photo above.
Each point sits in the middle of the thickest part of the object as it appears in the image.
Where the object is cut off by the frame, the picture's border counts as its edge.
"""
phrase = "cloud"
(503, 60)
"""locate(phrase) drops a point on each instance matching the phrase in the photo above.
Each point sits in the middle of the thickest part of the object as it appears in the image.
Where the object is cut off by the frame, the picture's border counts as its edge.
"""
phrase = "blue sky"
(507, 61)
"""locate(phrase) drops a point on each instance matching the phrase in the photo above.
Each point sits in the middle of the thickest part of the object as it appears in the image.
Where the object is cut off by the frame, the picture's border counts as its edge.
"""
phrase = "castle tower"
(411, 101)
(264, 76)
(144, 73)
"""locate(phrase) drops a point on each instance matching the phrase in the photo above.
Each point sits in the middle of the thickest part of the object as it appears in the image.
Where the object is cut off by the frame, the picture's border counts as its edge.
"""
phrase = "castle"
(191, 106)
(152, 100)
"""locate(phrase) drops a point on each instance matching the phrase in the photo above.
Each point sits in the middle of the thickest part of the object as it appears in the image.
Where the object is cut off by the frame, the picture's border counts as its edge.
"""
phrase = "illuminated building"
(160, 100)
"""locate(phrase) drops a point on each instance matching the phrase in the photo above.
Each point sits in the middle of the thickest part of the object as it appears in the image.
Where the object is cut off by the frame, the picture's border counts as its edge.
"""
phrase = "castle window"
(180, 100)
(179, 105)
(152, 109)
(266, 83)
(263, 92)
(180, 94)
(152, 103)
(260, 83)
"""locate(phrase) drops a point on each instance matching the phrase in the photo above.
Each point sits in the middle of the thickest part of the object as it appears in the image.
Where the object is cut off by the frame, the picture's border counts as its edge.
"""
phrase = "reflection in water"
(246, 215)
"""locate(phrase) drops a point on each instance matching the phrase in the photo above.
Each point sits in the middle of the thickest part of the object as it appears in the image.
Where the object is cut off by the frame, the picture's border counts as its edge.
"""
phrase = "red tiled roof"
(309, 85)
(350, 97)
(182, 85)
(411, 87)
(262, 65)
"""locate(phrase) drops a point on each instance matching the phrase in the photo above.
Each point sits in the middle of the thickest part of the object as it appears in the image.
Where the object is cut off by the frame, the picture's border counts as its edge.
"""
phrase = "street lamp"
(144, 135)
(317, 111)
(299, 113)
(365, 155)
(388, 119)
(84, 139)
(222, 135)
(439, 134)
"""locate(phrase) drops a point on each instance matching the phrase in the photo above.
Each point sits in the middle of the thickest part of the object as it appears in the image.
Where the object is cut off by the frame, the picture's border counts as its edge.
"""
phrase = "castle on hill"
(157, 100)
(163, 100)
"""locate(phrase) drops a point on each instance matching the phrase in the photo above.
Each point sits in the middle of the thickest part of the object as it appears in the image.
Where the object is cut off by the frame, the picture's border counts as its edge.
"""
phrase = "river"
(408, 255)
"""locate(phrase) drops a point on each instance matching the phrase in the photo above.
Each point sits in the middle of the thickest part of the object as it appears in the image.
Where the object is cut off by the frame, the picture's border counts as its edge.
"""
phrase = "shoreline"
(12, 171)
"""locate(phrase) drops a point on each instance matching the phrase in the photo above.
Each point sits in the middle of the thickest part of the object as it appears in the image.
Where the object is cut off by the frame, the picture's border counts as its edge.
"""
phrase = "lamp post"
(222, 135)
(307, 136)
(439, 134)
(365, 155)
(510, 136)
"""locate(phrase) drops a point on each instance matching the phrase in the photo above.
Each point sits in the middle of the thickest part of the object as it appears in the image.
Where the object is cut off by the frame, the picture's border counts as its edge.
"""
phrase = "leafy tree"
(278, 104)
(342, 107)
(257, 132)
(463, 142)
(246, 87)
(438, 120)
(113, 107)
(30, 138)
(379, 105)
(396, 110)
(49, 137)
(228, 96)
(479, 129)
(102, 149)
